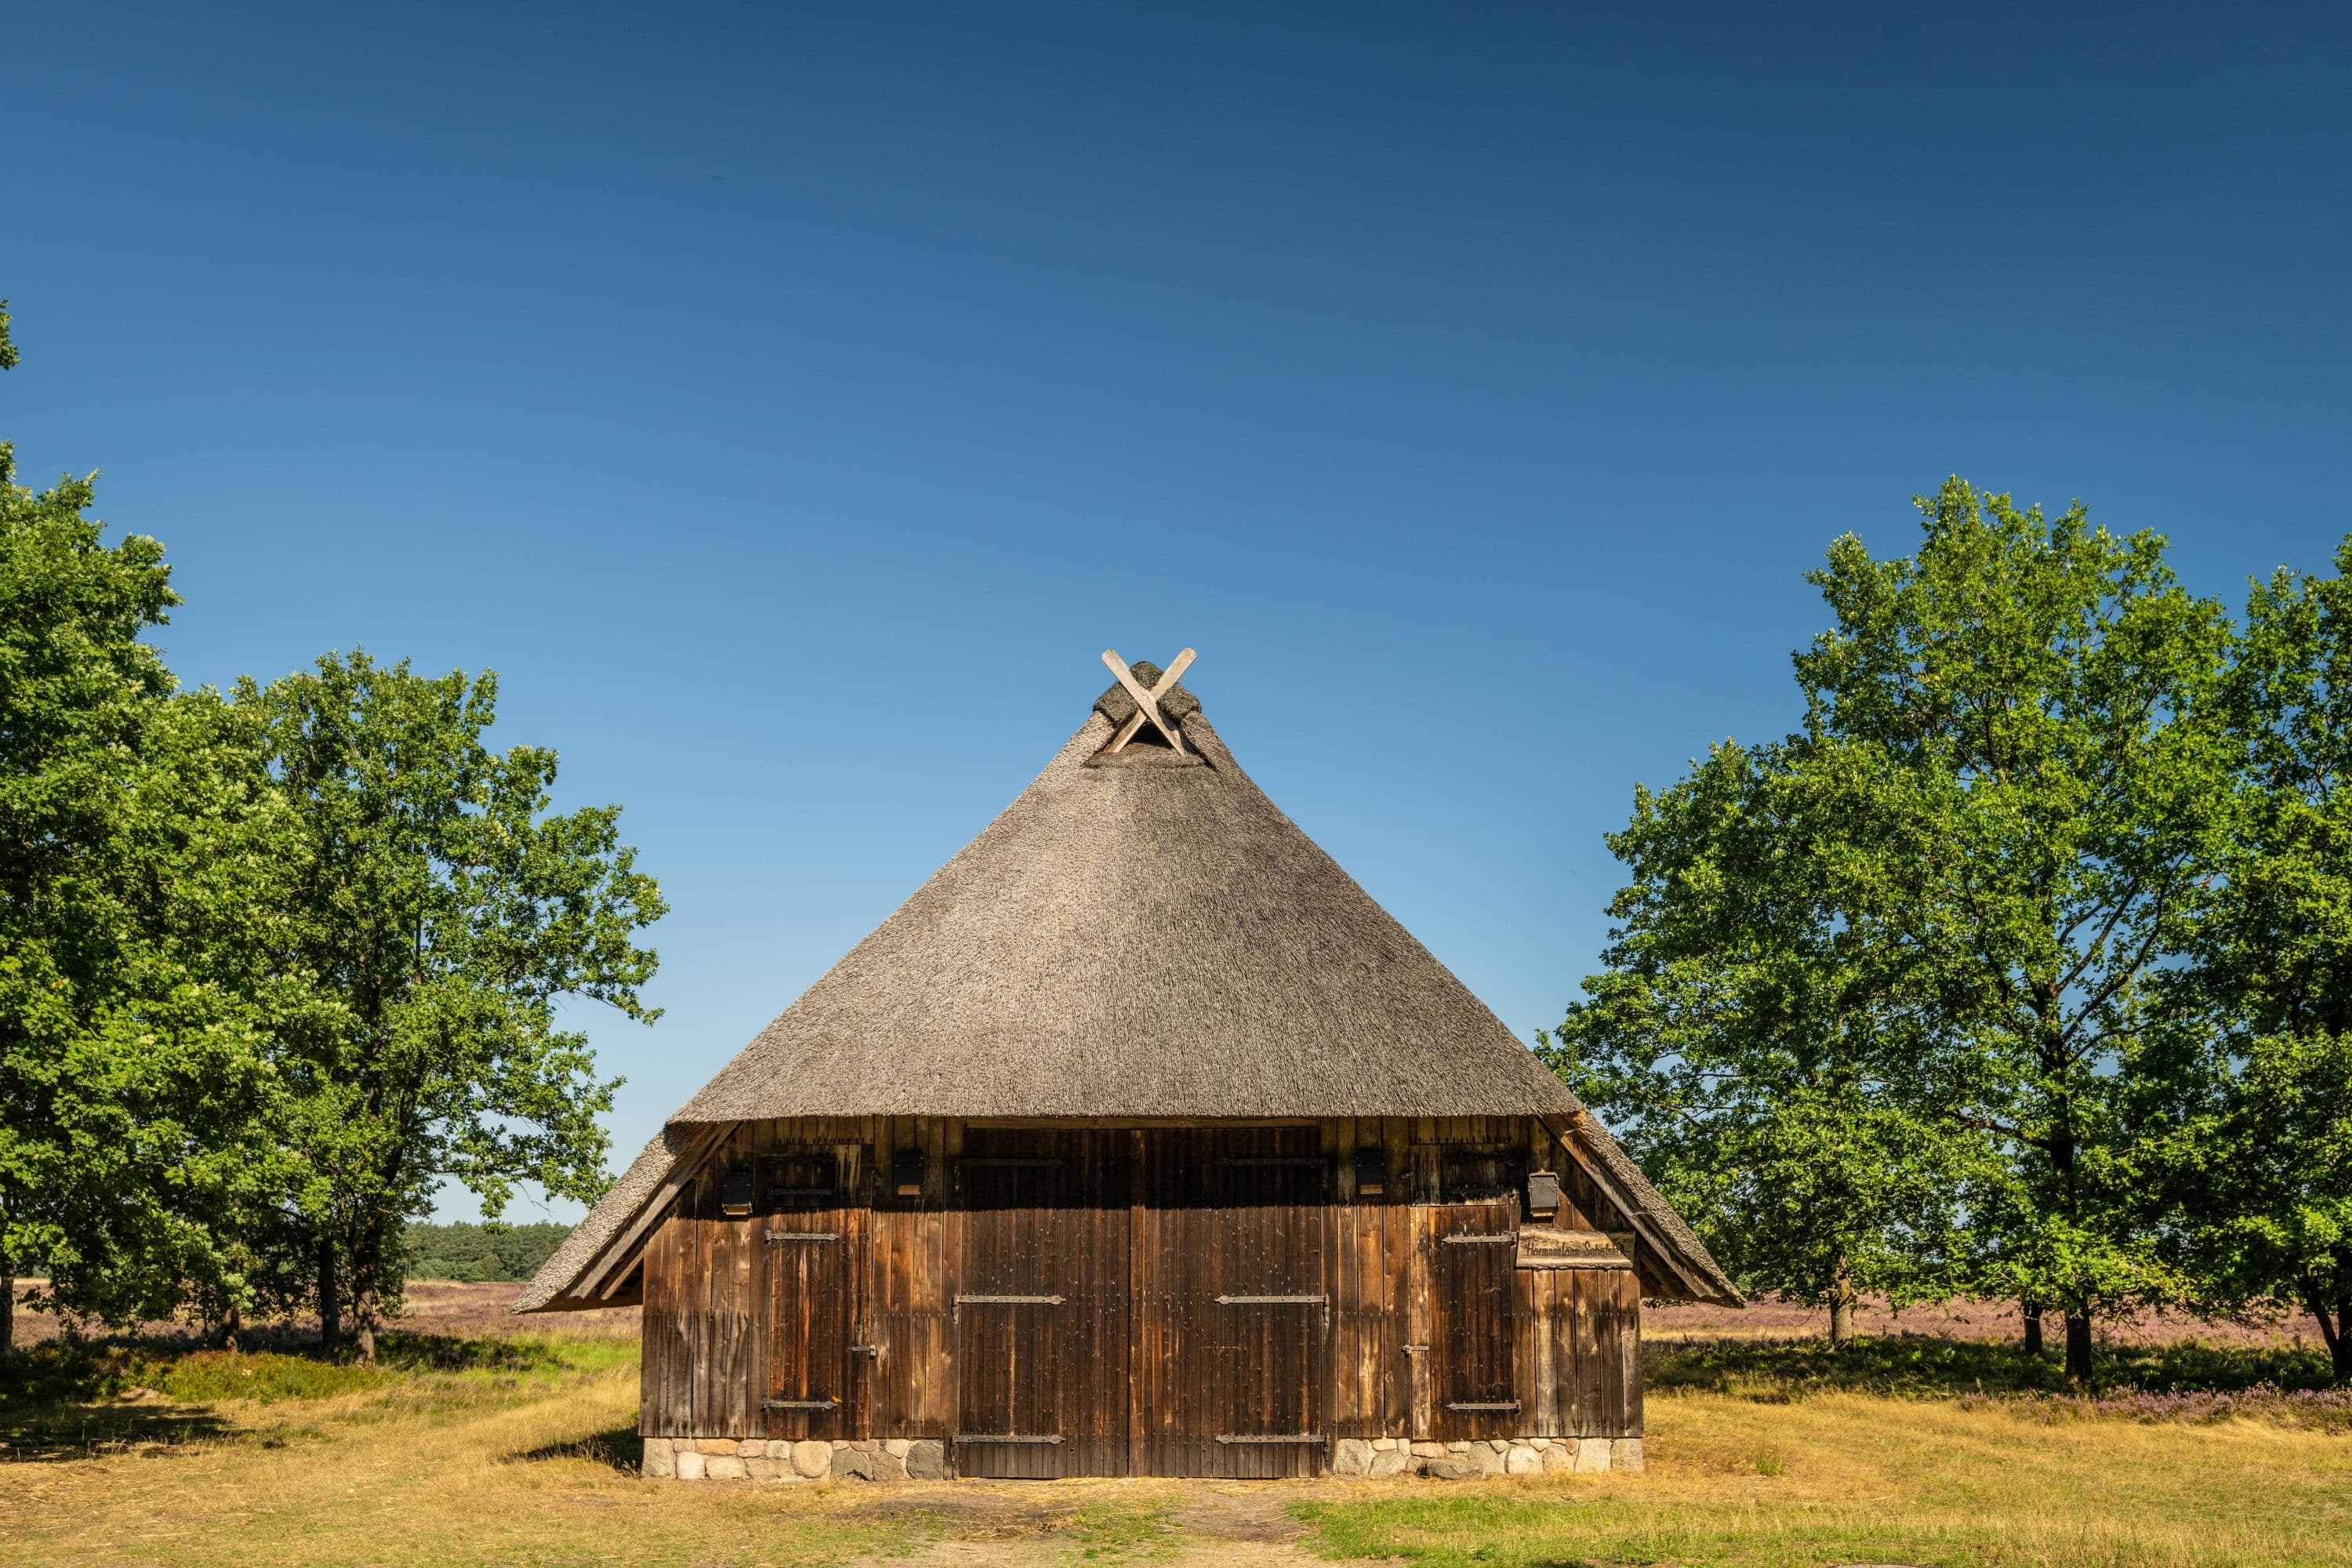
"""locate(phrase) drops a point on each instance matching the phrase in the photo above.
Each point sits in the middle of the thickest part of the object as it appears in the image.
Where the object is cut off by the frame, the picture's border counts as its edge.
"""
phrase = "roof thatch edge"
(548, 1291)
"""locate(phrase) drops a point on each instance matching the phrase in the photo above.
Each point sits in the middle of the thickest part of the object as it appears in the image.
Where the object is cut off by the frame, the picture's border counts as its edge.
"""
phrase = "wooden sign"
(1545, 1248)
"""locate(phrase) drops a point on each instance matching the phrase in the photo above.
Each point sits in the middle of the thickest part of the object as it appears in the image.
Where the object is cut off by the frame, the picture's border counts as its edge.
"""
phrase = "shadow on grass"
(618, 1449)
(68, 1398)
(74, 1432)
(60, 1371)
(1922, 1366)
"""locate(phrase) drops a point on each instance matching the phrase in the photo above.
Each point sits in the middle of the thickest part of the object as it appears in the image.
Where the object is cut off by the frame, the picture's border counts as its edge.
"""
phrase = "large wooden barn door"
(1233, 1306)
(1472, 1261)
(814, 1239)
(1038, 1247)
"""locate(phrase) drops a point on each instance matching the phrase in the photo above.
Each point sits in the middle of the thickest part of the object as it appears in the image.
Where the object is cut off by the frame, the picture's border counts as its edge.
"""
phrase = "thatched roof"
(1141, 934)
(551, 1287)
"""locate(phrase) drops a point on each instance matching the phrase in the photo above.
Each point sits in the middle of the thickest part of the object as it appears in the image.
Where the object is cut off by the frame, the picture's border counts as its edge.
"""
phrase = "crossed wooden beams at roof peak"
(1147, 703)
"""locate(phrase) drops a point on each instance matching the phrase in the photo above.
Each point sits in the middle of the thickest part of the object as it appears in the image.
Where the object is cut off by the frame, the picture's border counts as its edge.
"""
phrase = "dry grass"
(525, 1456)
(1846, 1478)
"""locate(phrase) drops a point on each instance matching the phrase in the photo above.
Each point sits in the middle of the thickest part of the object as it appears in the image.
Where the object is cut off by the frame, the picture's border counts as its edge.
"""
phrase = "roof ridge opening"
(1145, 699)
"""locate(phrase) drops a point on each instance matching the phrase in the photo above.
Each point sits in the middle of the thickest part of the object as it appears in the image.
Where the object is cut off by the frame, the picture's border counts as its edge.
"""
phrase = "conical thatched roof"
(1142, 933)
(1139, 934)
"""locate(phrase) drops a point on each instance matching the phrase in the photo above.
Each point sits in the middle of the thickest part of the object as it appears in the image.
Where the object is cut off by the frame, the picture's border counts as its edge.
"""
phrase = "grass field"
(493, 1447)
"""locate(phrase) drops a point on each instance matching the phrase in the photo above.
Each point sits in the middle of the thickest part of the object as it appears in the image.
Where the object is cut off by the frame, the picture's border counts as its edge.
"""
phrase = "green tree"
(440, 914)
(1751, 1039)
(461, 1251)
(2033, 701)
(2270, 974)
(131, 1063)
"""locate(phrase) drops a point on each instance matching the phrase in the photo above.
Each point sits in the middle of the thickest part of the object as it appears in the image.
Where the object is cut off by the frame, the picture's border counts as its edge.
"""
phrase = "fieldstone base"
(1379, 1457)
(925, 1459)
(774, 1460)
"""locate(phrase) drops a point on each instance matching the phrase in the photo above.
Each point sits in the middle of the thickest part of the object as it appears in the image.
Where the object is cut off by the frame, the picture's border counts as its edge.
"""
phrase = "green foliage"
(1755, 1044)
(271, 967)
(439, 915)
(2266, 1151)
(2033, 702)
(209, 1377)
(477, 1252)
(131, 1057)
(1924, 935)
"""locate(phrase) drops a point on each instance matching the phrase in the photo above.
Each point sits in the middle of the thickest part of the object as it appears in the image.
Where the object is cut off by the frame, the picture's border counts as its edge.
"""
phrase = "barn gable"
(1141, 937)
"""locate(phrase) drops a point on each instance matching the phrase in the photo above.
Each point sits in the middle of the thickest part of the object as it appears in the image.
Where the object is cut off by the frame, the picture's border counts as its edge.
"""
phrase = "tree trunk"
(364, 1322)
(2032, 1312)
(2343, 1345)
(7, 1308)
(331, 1303)
(1841, 1294)
(2335, 1322)
(2078, 1343)
(367, 1293)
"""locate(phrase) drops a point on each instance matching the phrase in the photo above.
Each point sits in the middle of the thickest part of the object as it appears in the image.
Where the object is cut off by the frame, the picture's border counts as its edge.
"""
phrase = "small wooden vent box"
(1543, 1192)
(735, 1193)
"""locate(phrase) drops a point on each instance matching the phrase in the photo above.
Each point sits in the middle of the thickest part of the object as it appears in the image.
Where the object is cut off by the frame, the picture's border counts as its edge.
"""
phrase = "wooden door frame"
(850, 1218)
(1435, 1414)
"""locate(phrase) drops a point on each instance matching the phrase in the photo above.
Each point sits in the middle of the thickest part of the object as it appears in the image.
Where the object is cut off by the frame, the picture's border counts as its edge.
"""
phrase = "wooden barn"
(1140, 1140)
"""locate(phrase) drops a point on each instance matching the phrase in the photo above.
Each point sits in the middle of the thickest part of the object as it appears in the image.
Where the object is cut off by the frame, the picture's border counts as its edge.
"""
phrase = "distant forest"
(477, 1252)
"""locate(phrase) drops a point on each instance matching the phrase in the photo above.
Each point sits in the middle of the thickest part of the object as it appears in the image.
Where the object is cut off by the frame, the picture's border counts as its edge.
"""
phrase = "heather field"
(483, 1441)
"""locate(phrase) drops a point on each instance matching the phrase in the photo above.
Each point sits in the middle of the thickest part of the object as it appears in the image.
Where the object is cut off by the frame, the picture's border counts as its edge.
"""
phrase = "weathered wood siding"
(1071, 1299)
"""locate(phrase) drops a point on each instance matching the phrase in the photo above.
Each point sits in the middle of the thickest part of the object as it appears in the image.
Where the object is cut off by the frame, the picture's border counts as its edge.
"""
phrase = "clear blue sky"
(790, 402)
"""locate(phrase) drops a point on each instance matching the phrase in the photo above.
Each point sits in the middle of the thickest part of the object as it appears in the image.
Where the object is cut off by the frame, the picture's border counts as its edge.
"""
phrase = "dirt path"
(1200, 1523)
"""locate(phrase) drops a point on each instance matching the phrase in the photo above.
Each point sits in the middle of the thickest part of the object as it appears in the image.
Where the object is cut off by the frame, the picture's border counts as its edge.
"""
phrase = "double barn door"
(1144, 1302)
(1151, 1302)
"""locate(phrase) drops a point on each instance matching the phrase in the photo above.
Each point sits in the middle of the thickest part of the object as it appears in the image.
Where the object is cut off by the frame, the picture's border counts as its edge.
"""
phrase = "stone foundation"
(1379, 1457)
(925, 1459)
(774, 1460)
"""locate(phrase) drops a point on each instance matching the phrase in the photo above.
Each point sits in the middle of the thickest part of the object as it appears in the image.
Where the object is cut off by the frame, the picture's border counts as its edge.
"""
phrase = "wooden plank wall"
(1365, 1369)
